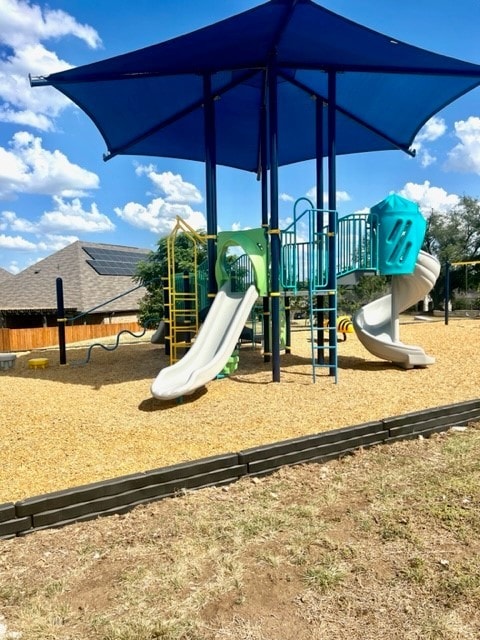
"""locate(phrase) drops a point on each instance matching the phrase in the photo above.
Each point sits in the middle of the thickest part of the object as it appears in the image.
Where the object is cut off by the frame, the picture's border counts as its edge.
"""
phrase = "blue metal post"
(210, 182)
(61, 321)
(274, 229)
(264, 191)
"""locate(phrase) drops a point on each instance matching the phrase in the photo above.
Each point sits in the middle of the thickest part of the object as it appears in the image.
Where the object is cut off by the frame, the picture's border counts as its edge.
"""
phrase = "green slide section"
(254, 244)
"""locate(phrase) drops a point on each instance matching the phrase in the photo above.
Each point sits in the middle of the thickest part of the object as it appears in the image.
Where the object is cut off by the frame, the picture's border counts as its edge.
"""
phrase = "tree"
(368, 288)
(150, 272)
(454, 236)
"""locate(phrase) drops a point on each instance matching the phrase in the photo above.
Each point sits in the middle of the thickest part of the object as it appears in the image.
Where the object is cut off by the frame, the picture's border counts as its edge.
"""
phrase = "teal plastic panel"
(401, 230)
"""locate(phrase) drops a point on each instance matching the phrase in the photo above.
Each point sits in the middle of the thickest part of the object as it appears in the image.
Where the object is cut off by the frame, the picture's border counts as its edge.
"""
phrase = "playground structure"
(387, 241)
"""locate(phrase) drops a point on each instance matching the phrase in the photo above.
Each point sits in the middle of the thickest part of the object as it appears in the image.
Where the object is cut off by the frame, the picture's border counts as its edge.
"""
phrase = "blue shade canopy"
(150, 102)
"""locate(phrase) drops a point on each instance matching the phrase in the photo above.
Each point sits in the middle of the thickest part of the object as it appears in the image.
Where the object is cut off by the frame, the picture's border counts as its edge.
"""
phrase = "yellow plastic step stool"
(38, 363)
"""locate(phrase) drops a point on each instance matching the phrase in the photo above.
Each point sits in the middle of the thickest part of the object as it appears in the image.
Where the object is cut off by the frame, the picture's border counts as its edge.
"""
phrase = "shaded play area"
(255, 92)
(261, 90)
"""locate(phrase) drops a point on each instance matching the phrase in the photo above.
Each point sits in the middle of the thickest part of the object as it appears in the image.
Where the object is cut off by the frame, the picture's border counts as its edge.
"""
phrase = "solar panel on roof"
(113, 262)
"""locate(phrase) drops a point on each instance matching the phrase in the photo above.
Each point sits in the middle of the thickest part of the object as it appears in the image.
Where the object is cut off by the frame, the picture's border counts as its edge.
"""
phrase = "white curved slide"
(377, 325)
(214, 344)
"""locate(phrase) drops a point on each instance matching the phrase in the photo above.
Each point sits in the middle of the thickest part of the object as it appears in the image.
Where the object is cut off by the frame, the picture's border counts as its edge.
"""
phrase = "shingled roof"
(5, 275)
(34, 289)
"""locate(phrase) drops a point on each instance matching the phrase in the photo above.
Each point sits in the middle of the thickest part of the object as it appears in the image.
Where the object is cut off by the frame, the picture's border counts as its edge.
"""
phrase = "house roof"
(5, 275)
(34, 288)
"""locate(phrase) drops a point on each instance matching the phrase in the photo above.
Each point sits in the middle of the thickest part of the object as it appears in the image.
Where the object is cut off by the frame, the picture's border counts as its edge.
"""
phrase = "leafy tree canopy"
(150, 272)
(455, 235)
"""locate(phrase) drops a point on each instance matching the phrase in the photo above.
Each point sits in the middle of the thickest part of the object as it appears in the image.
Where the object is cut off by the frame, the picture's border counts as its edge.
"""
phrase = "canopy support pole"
(274, 230)
(264, 193)
(210, 183)
(332, 221)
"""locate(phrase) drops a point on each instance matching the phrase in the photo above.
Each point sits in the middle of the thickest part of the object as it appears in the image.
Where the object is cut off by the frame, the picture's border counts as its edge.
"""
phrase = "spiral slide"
(212, 348)
(377, 326)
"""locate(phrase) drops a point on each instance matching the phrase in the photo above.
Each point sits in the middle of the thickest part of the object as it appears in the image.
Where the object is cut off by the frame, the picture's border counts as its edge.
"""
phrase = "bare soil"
(382, 545)
(64, 426)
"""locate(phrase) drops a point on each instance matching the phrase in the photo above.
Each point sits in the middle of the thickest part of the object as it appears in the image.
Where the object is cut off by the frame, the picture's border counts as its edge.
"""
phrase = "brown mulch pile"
(64, 426)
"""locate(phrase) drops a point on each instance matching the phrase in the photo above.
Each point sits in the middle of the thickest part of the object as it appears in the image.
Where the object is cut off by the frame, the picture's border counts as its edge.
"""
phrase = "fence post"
(61, 322)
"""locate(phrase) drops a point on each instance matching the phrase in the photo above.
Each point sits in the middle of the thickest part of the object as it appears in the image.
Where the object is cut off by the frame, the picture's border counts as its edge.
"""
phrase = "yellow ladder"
(183, 292)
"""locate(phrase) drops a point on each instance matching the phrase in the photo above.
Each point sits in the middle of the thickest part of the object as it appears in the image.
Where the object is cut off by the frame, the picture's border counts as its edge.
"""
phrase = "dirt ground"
(64, 426)
(382, 545)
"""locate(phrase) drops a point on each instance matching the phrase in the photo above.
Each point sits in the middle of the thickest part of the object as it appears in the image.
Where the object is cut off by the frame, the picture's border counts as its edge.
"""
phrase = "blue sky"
(55, 187)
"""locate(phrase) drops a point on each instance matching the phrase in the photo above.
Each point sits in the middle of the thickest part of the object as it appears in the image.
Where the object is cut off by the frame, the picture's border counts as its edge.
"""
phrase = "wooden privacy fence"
(28, 339)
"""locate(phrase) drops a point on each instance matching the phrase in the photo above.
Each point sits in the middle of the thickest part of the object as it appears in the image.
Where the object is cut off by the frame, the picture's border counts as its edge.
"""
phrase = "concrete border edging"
(119, 495)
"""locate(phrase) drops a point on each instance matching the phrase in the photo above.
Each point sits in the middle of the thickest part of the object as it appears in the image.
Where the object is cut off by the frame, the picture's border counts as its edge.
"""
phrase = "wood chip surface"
(69, 425)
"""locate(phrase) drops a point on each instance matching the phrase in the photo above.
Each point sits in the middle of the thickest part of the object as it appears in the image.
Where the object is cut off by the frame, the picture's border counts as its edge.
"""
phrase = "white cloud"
(171, 185)
(10, 221)
(429, 198)
(54, 242)
(159, 216)
(71, 216)
(66, 216)
(465, 156)
(22, 22)
(13, 267)
(23, 104)
(23, 28)
(29, 168)
(342, 196)
(237, 226)
(16, 242)
(426, 158)
(432, 130)
(285, 197)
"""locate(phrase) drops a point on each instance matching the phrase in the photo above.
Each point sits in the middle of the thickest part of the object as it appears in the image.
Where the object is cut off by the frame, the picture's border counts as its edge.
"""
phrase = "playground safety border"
(122, 494)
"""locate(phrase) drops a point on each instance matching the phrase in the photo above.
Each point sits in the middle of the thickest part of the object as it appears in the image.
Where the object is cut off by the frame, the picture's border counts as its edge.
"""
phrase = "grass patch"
(378, 546)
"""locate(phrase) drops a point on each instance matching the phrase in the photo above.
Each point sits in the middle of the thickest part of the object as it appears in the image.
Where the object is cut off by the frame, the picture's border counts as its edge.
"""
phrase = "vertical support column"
(264, 191)
(210, 182)
(288, 326)
(332, 220)
(61, 321)
(394, 310)
(274, 229)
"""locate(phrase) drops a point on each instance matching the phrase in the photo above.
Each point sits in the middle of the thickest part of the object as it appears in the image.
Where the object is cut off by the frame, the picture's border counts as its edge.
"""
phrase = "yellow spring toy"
(344, 325)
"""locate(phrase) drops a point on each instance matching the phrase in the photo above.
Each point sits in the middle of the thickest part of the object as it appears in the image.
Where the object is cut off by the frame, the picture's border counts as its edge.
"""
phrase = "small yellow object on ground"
(38, 363)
